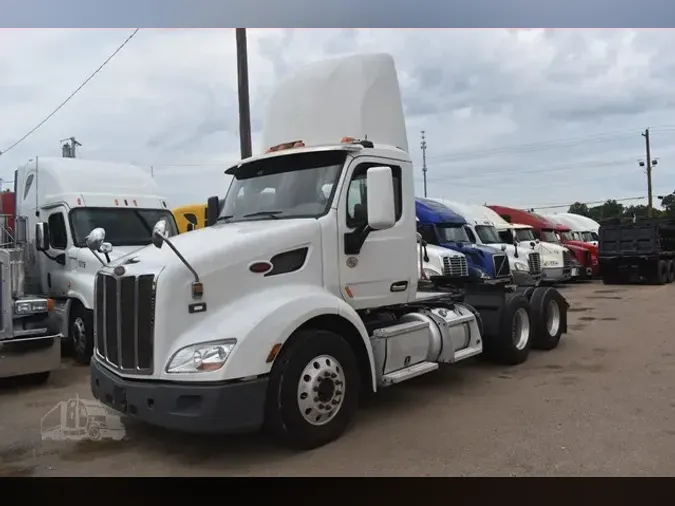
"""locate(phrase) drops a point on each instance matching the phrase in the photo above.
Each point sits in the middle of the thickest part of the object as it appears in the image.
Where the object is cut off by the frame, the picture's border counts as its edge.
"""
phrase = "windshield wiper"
(270, 213)
(224, 218)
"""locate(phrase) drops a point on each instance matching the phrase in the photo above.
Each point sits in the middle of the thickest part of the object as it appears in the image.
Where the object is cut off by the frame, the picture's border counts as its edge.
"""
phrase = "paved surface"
(601, 404)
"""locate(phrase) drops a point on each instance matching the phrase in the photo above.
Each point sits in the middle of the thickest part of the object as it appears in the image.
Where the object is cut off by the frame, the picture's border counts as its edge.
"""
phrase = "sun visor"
(355, 96)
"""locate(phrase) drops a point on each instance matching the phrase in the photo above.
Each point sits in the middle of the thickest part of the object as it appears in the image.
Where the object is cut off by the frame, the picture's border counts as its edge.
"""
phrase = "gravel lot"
(601, 404)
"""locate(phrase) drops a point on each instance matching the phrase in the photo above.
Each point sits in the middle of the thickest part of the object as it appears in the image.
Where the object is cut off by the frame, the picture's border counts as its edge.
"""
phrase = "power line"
(91, 76)
(542, 145)
(551, 206)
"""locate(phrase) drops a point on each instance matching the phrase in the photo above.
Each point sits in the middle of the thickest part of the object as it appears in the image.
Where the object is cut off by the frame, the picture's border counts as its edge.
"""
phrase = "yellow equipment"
(190, 217)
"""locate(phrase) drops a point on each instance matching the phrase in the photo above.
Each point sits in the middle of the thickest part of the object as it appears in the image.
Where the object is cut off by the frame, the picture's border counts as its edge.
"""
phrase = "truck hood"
(212, 248)
(583, 245)
(469, 249)
(221, 255)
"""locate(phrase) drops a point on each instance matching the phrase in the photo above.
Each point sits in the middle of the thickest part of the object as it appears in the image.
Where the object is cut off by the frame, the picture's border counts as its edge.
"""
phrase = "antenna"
(423, 145)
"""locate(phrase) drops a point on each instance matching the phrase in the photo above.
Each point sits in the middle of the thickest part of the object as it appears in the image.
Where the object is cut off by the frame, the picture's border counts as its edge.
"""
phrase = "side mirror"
(212, 210)
(159, 233)
(419, 238)
(380, 195)
(41, 236)
(106, 248)
(95, 239)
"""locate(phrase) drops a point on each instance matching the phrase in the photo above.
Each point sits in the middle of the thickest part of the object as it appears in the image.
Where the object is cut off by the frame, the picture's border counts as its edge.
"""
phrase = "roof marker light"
(286, 145)
(117, 202)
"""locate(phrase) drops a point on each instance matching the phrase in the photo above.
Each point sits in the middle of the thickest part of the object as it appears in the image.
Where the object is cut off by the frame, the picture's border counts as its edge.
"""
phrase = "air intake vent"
(288, 262)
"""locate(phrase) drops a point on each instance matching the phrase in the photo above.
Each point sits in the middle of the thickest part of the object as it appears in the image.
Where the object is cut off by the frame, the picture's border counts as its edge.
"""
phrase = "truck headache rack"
(125, 321)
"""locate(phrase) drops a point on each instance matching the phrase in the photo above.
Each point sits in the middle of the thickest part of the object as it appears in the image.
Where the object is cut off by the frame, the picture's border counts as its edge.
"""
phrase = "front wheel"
(314, 389)
(81, 333)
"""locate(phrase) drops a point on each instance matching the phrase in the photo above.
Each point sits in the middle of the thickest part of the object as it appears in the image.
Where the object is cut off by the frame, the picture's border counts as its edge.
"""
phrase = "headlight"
(520, 266)
(551, 263)
(202, 357)
(480, 273)
(430, 272)
(30, 307)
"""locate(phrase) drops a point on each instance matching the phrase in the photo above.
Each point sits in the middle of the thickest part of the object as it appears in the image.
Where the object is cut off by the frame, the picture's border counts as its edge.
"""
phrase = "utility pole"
(68, 147)
(244, 106)
(423, 145)
(648, 164)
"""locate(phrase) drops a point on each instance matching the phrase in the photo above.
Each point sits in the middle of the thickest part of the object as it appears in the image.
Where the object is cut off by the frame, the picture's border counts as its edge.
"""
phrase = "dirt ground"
(601, 404)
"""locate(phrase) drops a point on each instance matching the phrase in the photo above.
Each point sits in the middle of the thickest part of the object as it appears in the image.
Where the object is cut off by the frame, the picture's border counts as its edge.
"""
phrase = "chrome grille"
(567, 259)
(501, 265)
(455, 267)
(125, 321)
(534, 263)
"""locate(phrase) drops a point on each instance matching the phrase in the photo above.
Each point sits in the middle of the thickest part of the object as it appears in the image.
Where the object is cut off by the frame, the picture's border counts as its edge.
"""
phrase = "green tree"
(610, 209)
(579, 208)
(668, 204)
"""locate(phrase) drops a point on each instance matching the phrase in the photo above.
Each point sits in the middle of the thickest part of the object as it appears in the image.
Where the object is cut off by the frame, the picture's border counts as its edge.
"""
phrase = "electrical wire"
(91, 76)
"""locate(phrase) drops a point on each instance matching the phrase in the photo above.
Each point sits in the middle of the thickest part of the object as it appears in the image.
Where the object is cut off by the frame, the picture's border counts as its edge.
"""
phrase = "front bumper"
(521, 278)
(233, 407)
(555, 274)
(29, 355)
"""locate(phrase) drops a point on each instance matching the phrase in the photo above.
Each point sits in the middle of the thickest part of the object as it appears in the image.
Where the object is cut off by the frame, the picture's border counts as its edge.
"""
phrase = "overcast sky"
(513, 117)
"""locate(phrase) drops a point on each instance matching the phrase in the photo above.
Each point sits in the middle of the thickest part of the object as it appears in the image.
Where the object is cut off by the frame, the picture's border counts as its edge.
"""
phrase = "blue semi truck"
(439, 226)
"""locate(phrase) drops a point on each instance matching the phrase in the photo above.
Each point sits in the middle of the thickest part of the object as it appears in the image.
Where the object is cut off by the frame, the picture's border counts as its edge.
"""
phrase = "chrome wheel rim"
(321, 390)
(553, 318)
(520, 330)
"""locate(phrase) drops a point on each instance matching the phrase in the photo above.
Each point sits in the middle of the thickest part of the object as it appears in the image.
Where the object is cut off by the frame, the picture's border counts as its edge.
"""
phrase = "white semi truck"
(525, 263)
(291, 305)
(551, 255)
(68, 197)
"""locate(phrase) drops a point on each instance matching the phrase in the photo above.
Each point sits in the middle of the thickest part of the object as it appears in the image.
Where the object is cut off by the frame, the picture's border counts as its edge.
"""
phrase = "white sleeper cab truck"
(291, 304)
(551, 255)
(525, 263)
(69, 197)
(30, 345)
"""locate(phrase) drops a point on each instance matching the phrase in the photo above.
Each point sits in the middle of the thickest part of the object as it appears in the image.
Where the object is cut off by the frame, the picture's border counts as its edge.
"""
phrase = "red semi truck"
(546, 230)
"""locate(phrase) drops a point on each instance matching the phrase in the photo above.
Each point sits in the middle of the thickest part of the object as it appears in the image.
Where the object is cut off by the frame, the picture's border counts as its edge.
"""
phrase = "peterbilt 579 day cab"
(69, 197)
(525, 263)
(291, 304)
(30, 345)
(439, 225)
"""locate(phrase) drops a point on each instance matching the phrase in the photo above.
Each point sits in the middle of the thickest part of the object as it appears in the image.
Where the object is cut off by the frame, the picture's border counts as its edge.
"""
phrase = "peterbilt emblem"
(119, 270)
(352, 262)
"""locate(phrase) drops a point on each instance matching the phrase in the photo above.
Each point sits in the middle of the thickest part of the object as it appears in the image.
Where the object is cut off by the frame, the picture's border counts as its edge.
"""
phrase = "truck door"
(57, 262)
(382, 271)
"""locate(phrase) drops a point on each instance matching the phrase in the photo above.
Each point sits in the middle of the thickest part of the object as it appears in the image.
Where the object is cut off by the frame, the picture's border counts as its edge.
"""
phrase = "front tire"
(314, 389)
(662, 274)
(671, 271)
(81, 333)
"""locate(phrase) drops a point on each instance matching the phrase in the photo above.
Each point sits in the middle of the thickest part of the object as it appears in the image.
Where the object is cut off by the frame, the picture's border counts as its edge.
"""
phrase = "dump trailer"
(643, 250)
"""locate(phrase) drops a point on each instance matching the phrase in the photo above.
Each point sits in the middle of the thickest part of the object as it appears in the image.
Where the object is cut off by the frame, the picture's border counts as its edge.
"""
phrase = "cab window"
(357, 205)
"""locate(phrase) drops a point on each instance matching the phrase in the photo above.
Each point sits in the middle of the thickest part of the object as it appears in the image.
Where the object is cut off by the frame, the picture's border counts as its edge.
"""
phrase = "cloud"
(515, 117)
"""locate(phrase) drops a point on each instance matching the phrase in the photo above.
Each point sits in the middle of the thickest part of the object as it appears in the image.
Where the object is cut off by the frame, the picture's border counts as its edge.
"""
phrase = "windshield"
(548, 236)
(287, 186)
(452, 233)
(506, 236)
(524, 234)
(568, 236)
(488, 234)
(587, 237)
(123, 226)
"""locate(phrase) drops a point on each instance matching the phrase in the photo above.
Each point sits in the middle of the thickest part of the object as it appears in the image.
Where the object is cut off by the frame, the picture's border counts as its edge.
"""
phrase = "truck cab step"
(408, 373)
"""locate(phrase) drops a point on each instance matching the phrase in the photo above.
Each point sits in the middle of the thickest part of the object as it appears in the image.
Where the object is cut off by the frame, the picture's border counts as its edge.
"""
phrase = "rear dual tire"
(512, 345)
(548, 310)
